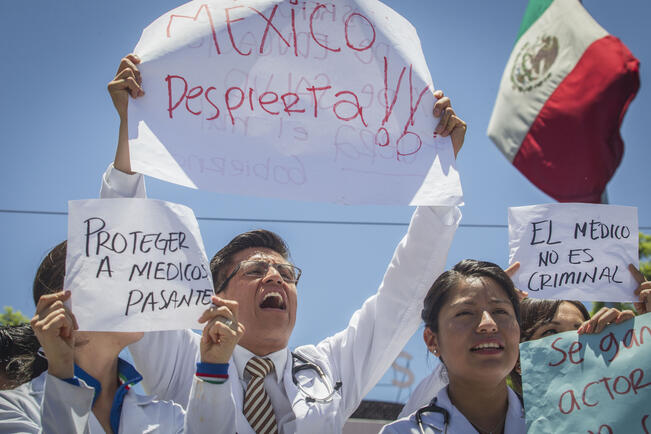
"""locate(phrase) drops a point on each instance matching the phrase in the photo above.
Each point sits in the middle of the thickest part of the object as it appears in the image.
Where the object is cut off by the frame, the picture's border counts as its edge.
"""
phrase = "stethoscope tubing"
(306, 364)
(432, 408)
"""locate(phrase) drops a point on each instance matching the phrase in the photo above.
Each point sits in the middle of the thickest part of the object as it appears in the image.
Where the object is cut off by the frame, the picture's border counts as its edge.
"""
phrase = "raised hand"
(127, 81)
(643, 291)
(221, 332)
(54, 326)
(449, 124)
(605, 316)
(510, 271)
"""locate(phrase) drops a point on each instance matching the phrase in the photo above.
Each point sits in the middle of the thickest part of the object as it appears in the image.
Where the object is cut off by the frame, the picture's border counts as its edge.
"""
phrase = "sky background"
(60, 130)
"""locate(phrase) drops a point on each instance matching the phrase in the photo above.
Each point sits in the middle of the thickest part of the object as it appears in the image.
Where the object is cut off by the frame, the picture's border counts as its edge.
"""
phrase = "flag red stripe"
(574, 147)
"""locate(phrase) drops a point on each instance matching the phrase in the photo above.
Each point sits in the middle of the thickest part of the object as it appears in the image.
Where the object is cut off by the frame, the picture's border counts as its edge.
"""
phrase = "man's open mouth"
(273, 300)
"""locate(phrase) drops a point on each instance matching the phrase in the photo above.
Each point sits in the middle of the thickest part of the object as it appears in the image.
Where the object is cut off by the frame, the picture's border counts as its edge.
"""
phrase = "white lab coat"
(358, 356)
(429, 387)
(433, 423)
(49, 405)
(20, 408)
(67, 409)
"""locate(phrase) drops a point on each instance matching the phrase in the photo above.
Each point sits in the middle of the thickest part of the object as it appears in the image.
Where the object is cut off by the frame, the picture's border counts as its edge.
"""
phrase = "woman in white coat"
(471, 316)
(87, 387)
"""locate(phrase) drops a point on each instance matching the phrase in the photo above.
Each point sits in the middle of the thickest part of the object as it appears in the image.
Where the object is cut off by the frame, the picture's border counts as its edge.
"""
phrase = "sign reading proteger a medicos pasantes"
(135, 265)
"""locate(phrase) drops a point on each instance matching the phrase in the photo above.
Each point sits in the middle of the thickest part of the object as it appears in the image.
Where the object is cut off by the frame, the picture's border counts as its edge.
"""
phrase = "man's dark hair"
(439, 293)
(19, 361)
(51, 273)
(223, 260)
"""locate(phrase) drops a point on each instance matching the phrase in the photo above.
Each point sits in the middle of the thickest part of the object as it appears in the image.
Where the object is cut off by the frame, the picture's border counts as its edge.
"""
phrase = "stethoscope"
(304, 364)
(433, 408)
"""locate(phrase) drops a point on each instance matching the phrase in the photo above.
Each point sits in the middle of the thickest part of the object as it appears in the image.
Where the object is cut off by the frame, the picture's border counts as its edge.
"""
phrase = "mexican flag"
(561, 101)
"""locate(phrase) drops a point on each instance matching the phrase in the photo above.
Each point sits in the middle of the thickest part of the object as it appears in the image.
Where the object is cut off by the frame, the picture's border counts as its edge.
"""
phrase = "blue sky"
(60, 129)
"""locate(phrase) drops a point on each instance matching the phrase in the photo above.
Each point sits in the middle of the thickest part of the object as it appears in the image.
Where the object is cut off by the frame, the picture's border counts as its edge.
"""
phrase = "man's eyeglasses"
(258, 269)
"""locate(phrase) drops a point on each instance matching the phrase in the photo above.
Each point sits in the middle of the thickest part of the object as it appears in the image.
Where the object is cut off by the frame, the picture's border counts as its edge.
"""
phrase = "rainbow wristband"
(215, 373)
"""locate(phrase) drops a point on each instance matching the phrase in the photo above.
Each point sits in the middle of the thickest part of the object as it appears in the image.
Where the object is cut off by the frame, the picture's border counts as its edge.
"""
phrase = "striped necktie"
(257, 406)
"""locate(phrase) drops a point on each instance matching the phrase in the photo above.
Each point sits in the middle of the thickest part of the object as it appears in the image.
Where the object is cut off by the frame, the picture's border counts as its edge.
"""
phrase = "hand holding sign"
(127, 81)
(604, 317)
(510, 271)
(221, 332)
(449, 123)
(643, 291)
(54, 326)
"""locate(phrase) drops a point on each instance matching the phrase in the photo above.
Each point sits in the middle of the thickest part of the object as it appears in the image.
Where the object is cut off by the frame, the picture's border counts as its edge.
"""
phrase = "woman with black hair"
(88, 388)
(19, 358)
(471, 316)
(540, 318)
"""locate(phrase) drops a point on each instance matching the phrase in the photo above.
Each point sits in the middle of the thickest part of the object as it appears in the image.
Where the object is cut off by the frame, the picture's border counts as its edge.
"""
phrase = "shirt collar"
(514, 421)
(241, 357)
(127, 375)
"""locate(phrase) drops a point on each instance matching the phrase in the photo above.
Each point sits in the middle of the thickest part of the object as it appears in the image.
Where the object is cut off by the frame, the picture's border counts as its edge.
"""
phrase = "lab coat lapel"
(515, 421)
(298, 403)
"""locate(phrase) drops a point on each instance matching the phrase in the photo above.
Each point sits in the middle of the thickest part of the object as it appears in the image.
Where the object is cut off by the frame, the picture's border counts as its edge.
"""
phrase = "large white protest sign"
(135, 265)
(575, 251)
(322, 101)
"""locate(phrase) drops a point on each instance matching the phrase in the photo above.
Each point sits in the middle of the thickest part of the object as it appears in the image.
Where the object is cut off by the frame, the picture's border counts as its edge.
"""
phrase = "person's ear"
(431, 340)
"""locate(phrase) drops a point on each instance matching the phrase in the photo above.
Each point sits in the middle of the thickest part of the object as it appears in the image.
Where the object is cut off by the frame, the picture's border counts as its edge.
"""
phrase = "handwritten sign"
(135, 265)
(589, 383)
(320, 101)
(575, 251)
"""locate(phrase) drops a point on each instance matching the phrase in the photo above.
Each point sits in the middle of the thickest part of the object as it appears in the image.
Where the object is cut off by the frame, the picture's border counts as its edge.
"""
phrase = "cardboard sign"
(589, 383)
(327, 101)
(135, 265)
(575, 251)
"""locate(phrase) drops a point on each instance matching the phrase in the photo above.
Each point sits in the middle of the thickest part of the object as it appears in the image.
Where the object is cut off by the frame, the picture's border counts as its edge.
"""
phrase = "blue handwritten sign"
(589, 383)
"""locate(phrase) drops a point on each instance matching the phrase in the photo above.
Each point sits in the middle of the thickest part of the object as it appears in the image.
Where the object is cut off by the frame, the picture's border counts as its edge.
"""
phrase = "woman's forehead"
(568, 311)
(470, 288)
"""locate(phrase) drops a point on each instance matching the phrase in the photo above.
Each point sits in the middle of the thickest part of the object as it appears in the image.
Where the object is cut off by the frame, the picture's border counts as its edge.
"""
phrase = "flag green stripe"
(535, 9)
